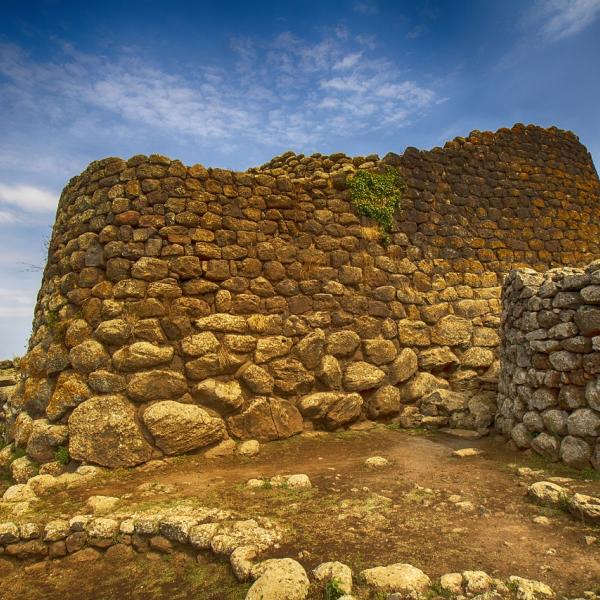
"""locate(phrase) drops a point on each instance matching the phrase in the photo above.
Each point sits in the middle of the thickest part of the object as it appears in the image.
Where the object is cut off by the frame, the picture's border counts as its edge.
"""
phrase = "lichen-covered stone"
(157, 384)
(141, 355)
(104, 430)
(266, 419)
(361, 375)
(178, 428)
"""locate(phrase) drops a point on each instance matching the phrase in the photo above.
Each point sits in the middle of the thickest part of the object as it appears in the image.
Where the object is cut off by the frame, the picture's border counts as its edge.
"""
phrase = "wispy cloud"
(282, 91)
(558, 19)
(28, 198)
(365, 8)
(16, 303)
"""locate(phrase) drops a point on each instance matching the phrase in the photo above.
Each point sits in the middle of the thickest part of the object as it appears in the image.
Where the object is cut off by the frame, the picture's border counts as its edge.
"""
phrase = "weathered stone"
(150, 269)
(575, 452)
(547, 445)
(104, 430)
(258, 380)
(521, 436)
(22, 469)
(476, 358)
(281, 579)
(179, 428)
(329, 372)
(385, 402)
(584, 422)
(420, 386)
(360, 376)
(335, 571)
(310, 348)
(114, 332)
(452, 331)
(222, 322)
(401, 578)
(223, 396)
(200, 344)
(291, 378)
(437, 359)
(88, 356)
(45, 438)
(105, 382)
(141, 355)
(342, 343)
(272, 347)
(379, 352)
(413, 333)
(71, 390)
(156, 385)
(442, 402)
(404, 367)
(266, 419)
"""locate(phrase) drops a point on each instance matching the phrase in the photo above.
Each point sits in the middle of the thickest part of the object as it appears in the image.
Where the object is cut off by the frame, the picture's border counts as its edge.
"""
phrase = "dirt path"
(427, 508)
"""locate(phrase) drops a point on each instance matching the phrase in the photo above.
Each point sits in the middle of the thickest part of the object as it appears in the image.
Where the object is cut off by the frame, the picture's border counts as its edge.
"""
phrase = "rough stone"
(179, 428)
(104, 430)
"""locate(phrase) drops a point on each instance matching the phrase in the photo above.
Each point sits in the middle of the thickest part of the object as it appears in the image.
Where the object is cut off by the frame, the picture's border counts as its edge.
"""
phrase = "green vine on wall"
(377, 195)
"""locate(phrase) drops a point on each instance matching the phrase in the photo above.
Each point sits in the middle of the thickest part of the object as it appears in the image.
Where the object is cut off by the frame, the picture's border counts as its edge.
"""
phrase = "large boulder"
(384, 402)
(437, 359)
(401, 578)
(310, 348)
(361, 375)
(421, 385)
(88, 356)
(272, 347)
(291, 378)
(179, 428)
(223, 396)
(141, 355)
(280, 579)
(342, 343)
(257, 379)
(404, 367)
(329, 372)
(452, 331)
(104, 430)
(157, 384)
(442, 402)
(266, 419)
(333, 408)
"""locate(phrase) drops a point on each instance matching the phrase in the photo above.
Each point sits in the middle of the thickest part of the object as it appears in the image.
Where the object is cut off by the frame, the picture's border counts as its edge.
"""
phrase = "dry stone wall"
(181, 305)
(549, 388)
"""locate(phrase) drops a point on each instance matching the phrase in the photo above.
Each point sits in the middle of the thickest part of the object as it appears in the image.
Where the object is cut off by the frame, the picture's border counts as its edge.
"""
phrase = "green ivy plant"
(377, 195)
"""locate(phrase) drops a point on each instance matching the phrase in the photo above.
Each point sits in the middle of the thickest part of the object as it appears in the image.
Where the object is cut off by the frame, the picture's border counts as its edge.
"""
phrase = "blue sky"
(232, 84)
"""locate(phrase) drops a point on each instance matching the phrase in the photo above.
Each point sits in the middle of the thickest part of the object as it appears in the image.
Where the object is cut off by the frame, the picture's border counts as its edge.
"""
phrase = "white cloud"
(16, 303)
(280, 91)
(559, 19)
(349, 61)
(28, 198)
(7, 217)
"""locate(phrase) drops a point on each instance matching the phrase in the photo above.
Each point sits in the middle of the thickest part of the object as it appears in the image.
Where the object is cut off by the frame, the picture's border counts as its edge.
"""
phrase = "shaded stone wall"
(549, 390)
(181, 304)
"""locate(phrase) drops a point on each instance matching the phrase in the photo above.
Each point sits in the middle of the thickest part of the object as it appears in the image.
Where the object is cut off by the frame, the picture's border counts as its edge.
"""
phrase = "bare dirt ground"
(410, 511)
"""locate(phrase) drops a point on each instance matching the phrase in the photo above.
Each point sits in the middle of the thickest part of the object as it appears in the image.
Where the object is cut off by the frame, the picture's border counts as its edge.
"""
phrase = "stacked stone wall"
(549, 387)
(181, 305)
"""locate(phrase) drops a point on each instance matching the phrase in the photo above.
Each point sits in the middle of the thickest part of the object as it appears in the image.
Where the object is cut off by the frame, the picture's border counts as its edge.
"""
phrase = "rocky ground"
(365, 498)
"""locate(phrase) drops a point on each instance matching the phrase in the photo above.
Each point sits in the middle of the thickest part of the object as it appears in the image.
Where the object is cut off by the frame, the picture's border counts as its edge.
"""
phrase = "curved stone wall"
(549, 388)
(181, 305)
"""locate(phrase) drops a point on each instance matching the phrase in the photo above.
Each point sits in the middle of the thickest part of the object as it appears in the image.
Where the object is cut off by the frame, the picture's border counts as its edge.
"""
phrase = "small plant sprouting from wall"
(62, 455)
(377, 195)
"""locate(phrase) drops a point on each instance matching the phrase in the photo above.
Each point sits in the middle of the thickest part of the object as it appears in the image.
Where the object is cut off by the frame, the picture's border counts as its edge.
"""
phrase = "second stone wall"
(549, 388)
